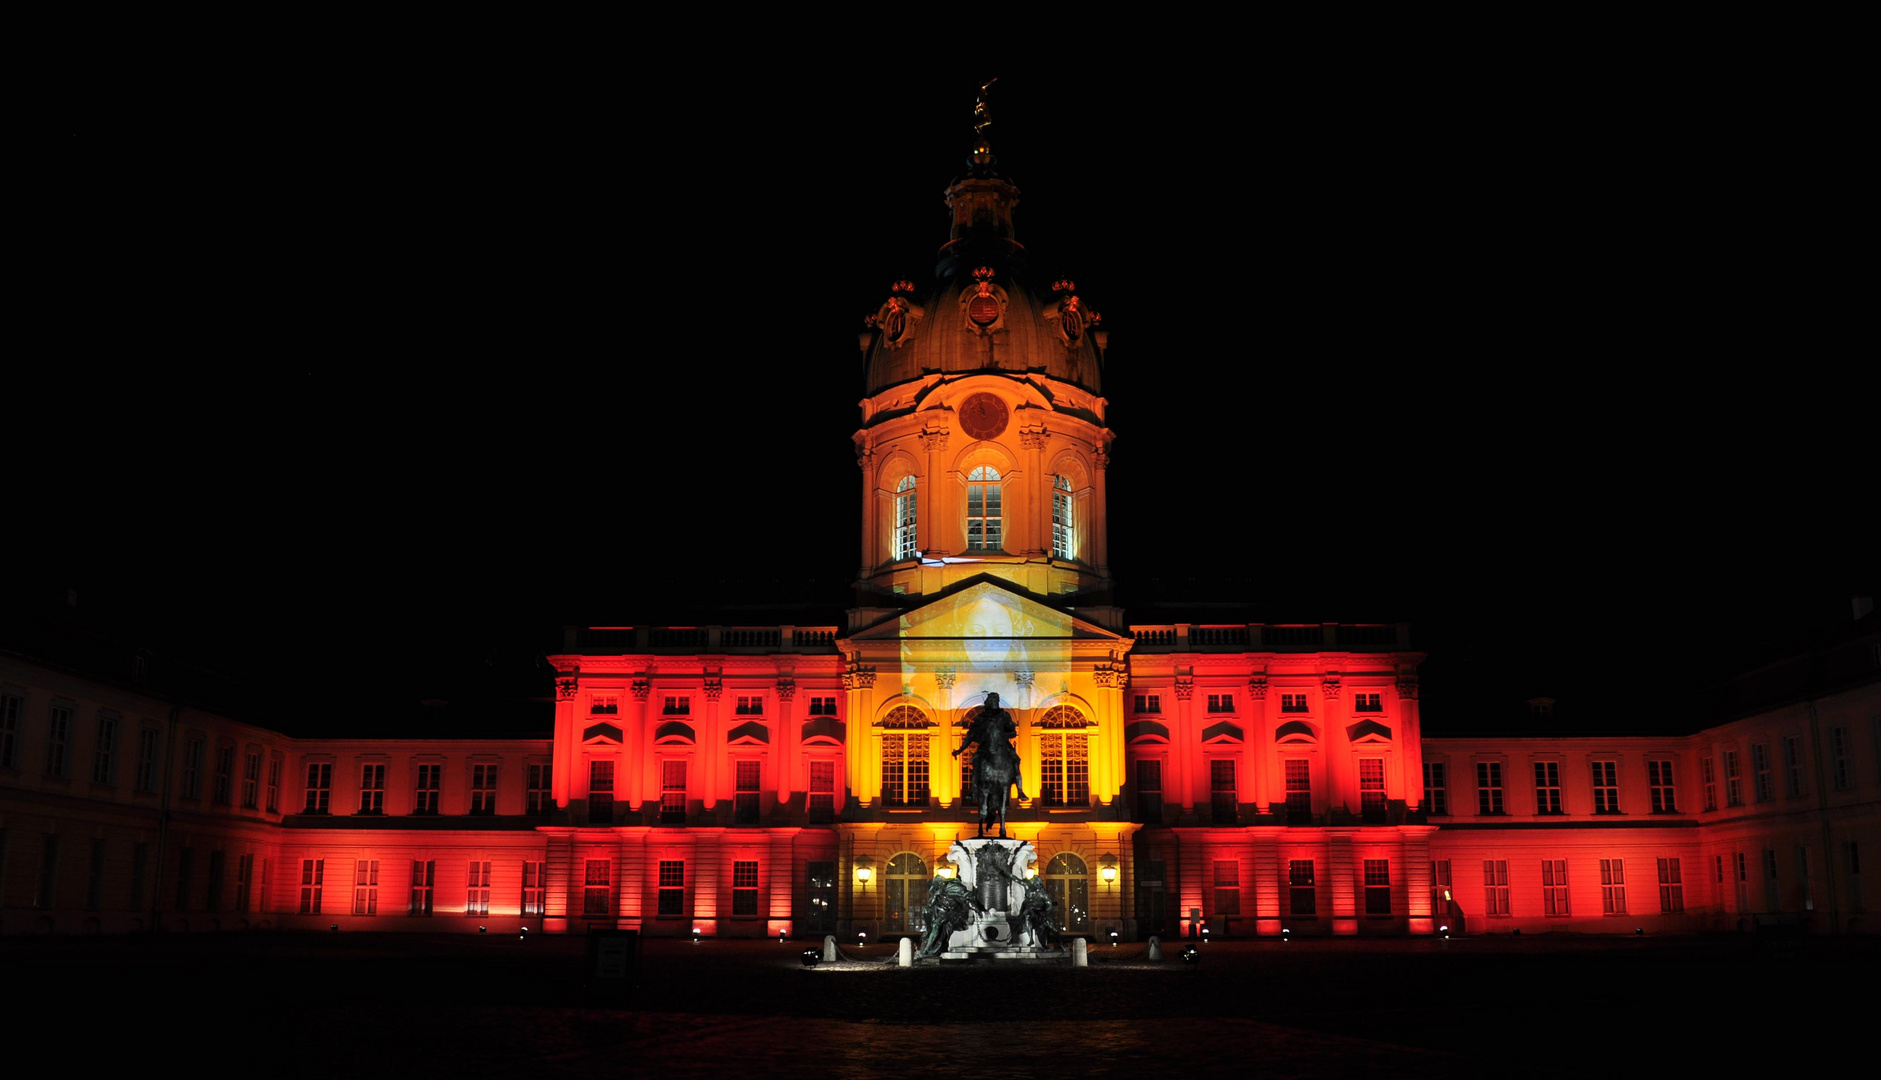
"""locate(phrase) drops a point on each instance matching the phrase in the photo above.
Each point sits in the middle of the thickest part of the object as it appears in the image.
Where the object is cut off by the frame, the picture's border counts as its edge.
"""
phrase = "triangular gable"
(984, 610)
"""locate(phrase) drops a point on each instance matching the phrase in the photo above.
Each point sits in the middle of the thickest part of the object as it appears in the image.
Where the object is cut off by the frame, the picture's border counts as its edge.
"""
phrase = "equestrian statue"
(995, 763)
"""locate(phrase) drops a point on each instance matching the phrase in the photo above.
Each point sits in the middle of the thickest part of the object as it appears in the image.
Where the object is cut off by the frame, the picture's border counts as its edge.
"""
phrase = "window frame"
(983, 494)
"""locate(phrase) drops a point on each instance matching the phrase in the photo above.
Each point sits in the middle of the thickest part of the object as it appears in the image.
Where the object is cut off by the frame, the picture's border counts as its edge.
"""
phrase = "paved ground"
(424, 1005)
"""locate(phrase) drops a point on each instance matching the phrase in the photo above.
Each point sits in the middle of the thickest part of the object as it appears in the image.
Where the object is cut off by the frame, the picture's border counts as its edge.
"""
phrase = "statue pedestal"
(995, 872)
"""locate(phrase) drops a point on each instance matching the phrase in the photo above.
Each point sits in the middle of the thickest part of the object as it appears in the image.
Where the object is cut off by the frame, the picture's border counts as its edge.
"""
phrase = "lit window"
(1606, 787)
(1671, 887)
(1303, 898)
(822, 792)
(1612, 887)
(904, 892)
(430, 777)
(477, 898)
(1547, 787)
(1068, 883)
(366, 887)
(1554, 886)
(313, 875)
(905, 757)
(372, 789)
(103, 764)
(1368, 703)
(1227, 887)
(745, 887)
(1299, 790)
(672, 899)
(535, 888)
(1664, 792)
(983, 514)
(1440, 897)
(672, 791)
(483, 789)
(1436, 794)
(1377, 886)
(596, 887)
(541, 793)
(1223, 795)
(1064, 534)
(1489, 787)
(1221, 703)
(745, 802)
(1496, 887)
(424, 879)
(905, 520)
(1372, 790)
(601, 793)
(319, 789)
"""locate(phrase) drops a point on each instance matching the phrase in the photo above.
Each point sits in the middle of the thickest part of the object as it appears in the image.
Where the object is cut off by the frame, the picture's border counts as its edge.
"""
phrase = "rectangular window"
(983, 513)
(1377, 886)
(147, 759)
(1802, 876)
(58, 731)
(1227, 887)
(597, 887)
(672, 887)
(11, 707)
(140, 871)
(535, 888)
(745, 887)
(366, 887)
(1149, 792)
(1368, 703)
(372, 789)
(750, 705)
(425, 795)
(319, 789)
(192, 768)
(905, 768)
(274, 785)
(1612, 887)
(267, 880)
(251, 781)
(541, 789)
(1064, 532)
(47, 893)
(103, 761)
(1223, 796)
(1436, 793)
(907, 518)
(1793, 765)
(1372, 790)
(1664, 792)
(223, 791)
(424, 880)
(601, 792)
(1838, 749)
(1547, 787)
(1743, 882)
(1554, 887)
(1299, 779)
(185, 860)
(1294, 703)
(1733, 781)
(1303, 898)
(244, 881)
(1221, 703)
(94, 879)
(1671, 887)
(1606, 787)
(673, 793)
(1496, 887)
(822, 792)
(1440, 888)
(745, 801)
(604, 705)
(1760, 766)
(1771, 898)
(677, 706)
(1149, 703)
(1489, 787)
(822, 706)
(1709, 773)
(313, 873)
(1065, 769)
(483, 789)
(477, 899)
(217, 863)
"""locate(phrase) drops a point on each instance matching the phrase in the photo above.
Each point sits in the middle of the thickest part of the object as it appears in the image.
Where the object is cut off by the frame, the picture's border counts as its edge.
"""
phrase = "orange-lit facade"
(789, 779)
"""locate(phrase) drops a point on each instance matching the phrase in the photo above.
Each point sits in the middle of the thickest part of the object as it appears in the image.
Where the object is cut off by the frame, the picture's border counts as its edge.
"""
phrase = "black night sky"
(1549, 359)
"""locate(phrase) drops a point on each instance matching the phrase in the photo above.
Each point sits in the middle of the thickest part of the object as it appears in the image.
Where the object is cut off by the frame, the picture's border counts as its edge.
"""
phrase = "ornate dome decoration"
(898, 316)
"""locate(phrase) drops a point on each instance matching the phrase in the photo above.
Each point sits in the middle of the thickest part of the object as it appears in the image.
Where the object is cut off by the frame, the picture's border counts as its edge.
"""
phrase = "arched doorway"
(1068, 883)
(904, 896)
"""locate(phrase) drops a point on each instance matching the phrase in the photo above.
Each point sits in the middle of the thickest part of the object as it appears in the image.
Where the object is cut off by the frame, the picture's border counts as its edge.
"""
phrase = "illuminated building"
(758, 780)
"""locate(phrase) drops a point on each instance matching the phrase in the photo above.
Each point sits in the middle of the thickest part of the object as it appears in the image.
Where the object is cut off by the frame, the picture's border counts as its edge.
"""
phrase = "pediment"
(985, 610)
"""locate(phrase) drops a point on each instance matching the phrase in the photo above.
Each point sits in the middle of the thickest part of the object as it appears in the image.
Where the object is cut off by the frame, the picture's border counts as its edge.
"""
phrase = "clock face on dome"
(983, 416)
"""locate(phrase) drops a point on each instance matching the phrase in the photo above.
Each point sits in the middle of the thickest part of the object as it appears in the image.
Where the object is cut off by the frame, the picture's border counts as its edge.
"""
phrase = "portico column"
(1257, 745)
(1412, 743)
(636, 739)
(1188, 745)
(785, 739)
(711, 742)
(567, 737)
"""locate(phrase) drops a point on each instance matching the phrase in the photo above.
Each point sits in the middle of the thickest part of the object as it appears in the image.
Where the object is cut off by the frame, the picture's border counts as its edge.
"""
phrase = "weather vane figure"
(983, 107)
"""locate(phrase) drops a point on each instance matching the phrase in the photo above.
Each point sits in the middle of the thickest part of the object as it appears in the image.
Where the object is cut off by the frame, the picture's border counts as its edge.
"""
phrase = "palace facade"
(775, 780)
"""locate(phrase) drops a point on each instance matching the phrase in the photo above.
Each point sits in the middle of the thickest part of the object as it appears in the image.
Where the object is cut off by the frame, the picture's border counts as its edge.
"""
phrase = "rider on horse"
(995, 763)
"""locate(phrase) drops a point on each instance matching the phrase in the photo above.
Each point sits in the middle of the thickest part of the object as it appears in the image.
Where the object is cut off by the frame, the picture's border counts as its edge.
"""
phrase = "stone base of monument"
(994, 870)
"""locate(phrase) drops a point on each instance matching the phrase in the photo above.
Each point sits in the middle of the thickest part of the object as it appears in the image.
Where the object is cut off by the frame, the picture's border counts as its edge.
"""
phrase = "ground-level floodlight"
(522, 933)
(1113, 939)
(695, 935)
(810, 957)
(1191, 955)
(483, 929)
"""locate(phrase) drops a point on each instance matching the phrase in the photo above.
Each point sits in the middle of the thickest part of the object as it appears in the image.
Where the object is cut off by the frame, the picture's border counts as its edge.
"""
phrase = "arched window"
(983, 516)
(904, 519)
(1064, 531)
(1068, 883)
(904, 892)
(1064, 755)
(905, 757)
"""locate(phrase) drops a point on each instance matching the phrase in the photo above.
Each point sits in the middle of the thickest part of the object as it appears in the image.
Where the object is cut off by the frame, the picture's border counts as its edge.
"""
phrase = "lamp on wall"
(865, 868)
(1107, 869)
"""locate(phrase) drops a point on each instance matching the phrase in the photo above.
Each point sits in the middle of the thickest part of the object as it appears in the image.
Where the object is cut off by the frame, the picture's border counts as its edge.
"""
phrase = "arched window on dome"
(1068, 883)
(1064, 527)
(905, 757)
(983, 514)
(905, 520)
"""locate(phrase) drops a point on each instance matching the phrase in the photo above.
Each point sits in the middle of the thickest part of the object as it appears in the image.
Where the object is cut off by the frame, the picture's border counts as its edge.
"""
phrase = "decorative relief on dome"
(898, 316)
(1033, 436)
(933, 437)
(1070, 315)
(983, 416)
(984, 305)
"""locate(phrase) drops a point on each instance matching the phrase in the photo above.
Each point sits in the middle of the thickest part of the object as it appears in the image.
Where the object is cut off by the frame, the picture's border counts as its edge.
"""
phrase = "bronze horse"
(995, 763)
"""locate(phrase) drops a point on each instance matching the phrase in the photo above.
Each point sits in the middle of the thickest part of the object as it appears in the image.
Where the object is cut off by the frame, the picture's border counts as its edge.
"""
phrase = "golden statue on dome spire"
(982, 106)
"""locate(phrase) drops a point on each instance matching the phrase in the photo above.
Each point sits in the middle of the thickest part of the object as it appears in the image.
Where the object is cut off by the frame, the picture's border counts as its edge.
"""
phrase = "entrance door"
(818, 912)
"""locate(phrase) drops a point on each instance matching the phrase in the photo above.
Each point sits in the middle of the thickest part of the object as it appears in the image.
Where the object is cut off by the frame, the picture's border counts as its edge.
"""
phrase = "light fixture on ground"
(809, 957)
